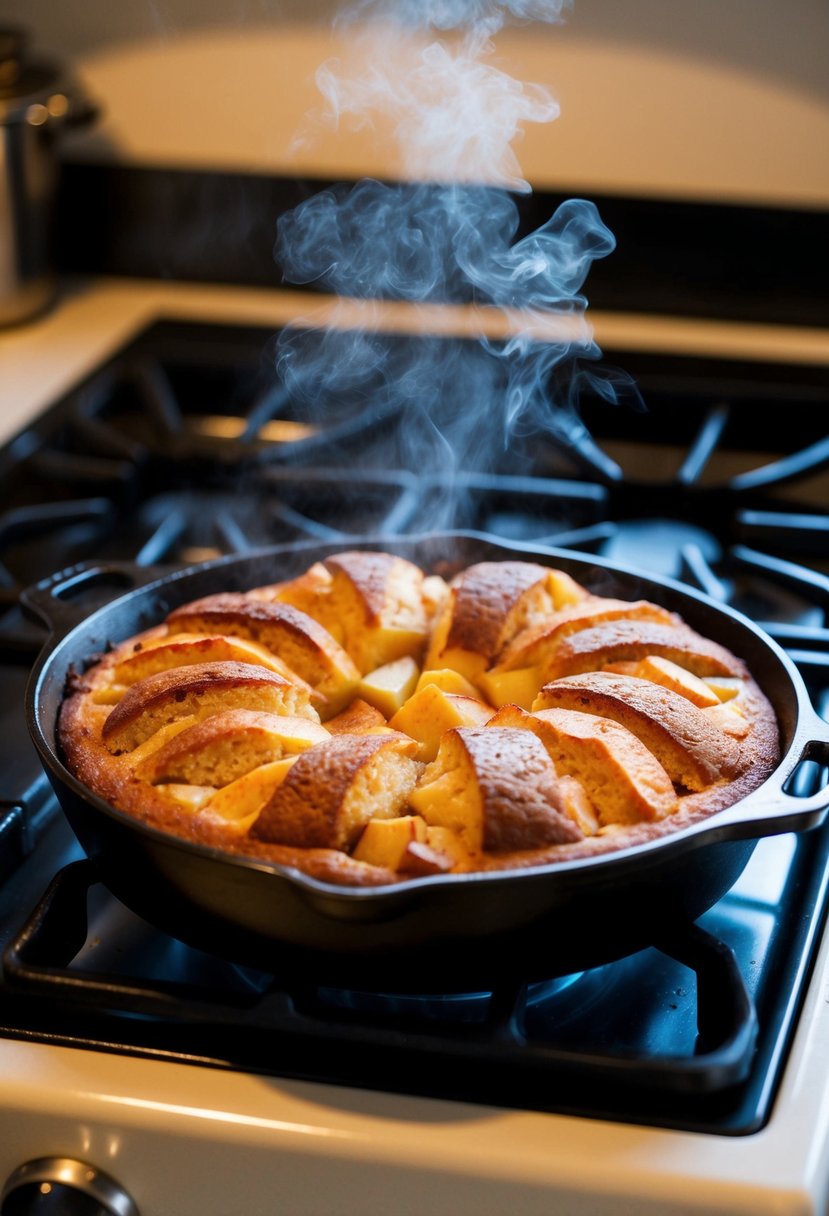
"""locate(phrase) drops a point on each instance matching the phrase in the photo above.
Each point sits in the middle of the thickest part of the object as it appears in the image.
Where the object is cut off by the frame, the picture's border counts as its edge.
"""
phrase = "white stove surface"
(193, 1141)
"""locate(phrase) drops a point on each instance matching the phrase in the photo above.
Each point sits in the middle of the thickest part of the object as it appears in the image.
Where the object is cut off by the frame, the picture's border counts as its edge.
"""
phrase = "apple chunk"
(238, 805)
(384, 841)
(387, 688)
(519, 687)
(431, 712)
(663, 671)
(448, 680)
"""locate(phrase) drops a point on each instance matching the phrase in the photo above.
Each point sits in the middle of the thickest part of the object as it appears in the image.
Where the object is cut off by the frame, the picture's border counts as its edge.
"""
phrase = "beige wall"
(714, 99)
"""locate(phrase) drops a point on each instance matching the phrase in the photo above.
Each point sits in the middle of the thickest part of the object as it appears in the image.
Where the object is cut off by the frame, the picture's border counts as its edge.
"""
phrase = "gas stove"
(183, 446)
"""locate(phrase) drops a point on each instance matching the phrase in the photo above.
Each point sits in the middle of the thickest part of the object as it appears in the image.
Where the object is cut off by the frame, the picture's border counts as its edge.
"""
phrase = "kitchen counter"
(93, 317)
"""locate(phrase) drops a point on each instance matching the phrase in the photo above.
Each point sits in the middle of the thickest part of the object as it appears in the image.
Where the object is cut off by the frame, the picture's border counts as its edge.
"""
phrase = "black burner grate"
(690, 1034)
(185, 447)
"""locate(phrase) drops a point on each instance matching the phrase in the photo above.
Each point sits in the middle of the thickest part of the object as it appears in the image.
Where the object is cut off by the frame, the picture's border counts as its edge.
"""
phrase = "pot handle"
(772, 807)
(54, 600)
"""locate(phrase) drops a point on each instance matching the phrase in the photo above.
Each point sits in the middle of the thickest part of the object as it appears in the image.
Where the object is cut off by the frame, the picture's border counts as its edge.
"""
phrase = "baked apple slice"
(622, 778)
(198, 691)
(692, 749)
(389, 687)
(301, 642)
(236, 806)
(384, 842)
(660, 670)
(431, 712)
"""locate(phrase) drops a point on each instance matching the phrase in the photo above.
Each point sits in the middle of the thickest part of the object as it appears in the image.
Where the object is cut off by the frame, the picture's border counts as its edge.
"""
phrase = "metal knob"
(61, 1186)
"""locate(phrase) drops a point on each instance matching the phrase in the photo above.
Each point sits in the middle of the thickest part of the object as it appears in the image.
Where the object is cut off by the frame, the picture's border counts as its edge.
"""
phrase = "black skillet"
(429, 933)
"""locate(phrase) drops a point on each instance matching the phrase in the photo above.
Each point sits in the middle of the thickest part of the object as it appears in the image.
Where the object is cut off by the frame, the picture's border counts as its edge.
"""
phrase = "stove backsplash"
(675, 257)
(709, 102)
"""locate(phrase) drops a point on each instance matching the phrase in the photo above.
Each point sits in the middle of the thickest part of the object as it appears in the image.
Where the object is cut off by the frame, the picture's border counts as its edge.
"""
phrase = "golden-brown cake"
(295, 637)
(694, 750)
(377, 606)
(376, 601)
(488, 604)
(536, 645)
(197, 691)
(622, 778)
(229, 744)
(183, 650)
(507, 720)
(497, 789)
(333, 790)
(593, 648)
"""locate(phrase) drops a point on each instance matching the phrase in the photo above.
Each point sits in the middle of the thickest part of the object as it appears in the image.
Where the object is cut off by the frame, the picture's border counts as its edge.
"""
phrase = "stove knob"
(61, 1186)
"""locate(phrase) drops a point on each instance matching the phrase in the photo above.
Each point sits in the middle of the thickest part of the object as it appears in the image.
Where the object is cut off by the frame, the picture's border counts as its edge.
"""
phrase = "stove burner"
(665, 541)
(674, 1036)
(452, 1007)
(190, 416)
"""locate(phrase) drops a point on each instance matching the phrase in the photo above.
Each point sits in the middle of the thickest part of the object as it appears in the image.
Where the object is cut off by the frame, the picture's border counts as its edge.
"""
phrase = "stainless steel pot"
(38, 102)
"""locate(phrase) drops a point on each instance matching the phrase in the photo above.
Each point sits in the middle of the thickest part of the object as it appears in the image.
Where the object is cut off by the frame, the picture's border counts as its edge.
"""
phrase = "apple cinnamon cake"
(368, 723)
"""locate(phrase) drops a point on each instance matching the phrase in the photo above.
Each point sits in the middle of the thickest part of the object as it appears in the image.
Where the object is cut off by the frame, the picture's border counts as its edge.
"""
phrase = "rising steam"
(446, 232)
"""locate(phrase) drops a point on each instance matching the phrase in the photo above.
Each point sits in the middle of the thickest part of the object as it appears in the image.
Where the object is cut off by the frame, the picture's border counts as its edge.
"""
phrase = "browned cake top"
(230, 607)
(692, 747)
(531, 645)
(519, 788)
(181, 682)
(310, 807)
(370, 572)
(483, 597)
(614, 640)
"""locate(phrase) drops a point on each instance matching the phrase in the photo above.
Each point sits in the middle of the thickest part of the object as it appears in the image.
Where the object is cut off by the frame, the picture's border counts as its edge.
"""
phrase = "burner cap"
(657, 544)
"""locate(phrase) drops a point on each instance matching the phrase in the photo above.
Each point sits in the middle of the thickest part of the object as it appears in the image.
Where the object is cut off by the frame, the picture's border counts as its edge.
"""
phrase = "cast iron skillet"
(430, 933)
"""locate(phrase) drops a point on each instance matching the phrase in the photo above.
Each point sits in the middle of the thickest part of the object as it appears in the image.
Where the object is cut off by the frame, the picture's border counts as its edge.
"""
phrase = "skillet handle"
(772, 807)
(62, 600)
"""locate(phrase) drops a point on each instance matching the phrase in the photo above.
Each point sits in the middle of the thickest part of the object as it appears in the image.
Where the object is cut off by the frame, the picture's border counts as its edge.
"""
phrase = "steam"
(453, 115)
(477, 15)
(447, 231)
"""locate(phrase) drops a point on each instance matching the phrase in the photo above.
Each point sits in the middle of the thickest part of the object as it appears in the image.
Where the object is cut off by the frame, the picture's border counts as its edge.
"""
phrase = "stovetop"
(186, 446)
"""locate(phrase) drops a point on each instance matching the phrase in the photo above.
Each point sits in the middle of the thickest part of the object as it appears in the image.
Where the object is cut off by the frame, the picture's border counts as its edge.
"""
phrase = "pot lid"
(33, 89)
